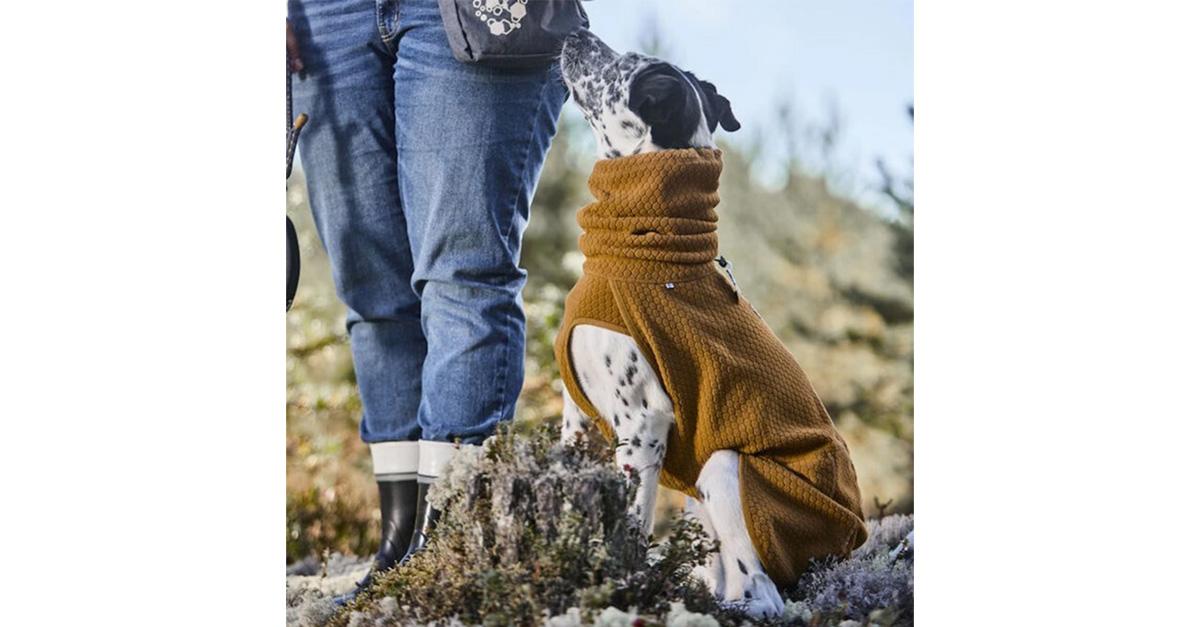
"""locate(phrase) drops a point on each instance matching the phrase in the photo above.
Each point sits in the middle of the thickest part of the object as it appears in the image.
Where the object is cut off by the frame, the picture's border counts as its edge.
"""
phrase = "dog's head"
(637, 103)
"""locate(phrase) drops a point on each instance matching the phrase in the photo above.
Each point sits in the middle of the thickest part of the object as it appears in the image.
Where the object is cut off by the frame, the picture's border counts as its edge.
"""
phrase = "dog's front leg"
(574, 422)
(624, 389)
(641, 446)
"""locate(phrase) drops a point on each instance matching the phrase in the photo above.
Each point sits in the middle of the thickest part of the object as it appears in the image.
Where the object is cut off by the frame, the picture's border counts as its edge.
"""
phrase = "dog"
(637, 105)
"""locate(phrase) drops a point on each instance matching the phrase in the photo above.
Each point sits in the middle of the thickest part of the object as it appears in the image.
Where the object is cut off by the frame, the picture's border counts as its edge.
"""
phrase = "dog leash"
(294, 125)
(293, 242)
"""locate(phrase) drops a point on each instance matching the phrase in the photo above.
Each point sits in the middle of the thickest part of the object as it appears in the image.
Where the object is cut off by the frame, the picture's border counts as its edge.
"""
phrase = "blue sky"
(813, 54)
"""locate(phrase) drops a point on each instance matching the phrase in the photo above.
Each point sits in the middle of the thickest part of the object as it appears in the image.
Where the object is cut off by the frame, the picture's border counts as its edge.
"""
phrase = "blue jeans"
(420, 171)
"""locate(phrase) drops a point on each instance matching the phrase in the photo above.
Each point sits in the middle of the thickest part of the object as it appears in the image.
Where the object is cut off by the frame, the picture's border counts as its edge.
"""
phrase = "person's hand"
(293, 50)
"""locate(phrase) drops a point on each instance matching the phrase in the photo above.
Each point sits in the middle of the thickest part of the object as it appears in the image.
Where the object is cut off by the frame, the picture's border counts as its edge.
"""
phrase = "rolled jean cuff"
(395, 461)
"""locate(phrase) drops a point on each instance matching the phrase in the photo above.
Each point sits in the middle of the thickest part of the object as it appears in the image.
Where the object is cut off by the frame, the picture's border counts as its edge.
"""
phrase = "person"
(420, 172)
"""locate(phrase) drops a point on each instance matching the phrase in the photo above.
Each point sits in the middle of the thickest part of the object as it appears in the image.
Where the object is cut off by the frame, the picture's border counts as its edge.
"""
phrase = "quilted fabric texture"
(650, 241)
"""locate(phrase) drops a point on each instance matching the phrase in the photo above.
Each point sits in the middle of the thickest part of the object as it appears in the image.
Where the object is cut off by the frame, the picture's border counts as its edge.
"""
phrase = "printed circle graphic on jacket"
(501, 16)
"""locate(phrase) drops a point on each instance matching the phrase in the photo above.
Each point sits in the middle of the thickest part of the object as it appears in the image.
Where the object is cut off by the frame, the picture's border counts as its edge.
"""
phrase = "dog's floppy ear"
(716, 107)
(662, 97)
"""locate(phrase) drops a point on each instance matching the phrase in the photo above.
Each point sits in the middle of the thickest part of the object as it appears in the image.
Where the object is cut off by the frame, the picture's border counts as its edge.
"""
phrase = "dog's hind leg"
(712, 573)
(746, 582)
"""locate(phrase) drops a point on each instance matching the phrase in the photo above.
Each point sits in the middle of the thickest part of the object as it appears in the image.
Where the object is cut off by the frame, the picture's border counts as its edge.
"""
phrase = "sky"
(816, 55)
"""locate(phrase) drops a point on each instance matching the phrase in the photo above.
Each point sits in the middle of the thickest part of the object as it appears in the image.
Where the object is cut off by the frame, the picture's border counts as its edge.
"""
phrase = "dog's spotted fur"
(613, 372)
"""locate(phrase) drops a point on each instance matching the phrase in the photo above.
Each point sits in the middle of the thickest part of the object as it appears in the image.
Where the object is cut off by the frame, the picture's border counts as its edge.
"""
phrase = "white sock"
(395, 461)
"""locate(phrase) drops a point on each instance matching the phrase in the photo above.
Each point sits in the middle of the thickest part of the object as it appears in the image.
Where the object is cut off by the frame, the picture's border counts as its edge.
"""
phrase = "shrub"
(875, 584)
(530, 529)
(534, 532)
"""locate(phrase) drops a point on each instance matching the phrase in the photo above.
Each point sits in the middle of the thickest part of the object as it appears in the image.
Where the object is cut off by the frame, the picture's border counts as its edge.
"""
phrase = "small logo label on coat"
(501, 16)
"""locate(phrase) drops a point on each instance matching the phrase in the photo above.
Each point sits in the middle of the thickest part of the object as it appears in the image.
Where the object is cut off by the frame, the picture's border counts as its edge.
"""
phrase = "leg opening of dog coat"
(788, 534)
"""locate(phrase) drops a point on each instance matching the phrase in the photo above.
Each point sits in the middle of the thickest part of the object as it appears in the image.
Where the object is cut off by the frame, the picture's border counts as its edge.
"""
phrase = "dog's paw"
(757, 596)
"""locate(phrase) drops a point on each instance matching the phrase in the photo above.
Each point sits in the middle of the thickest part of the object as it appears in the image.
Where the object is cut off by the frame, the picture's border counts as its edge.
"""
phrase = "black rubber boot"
(398, 507)
(427, 518)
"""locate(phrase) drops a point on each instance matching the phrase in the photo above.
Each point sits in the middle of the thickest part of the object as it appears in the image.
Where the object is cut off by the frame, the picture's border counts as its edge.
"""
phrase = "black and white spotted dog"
(637, 104)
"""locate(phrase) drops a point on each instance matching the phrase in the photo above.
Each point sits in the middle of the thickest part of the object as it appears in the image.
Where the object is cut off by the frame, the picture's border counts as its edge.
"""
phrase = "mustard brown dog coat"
(649, 242)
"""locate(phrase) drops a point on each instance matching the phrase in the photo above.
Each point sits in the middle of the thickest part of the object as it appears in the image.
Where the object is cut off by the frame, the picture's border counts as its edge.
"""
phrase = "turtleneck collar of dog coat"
(655, 215)
(650, 241)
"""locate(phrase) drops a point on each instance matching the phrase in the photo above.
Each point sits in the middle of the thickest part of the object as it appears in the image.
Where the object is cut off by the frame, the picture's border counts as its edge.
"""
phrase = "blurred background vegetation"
(833, 278)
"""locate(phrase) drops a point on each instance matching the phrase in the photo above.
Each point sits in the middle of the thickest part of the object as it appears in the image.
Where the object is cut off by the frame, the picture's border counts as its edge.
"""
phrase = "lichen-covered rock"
(532, 528)
(312, 585)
